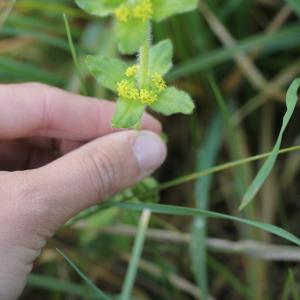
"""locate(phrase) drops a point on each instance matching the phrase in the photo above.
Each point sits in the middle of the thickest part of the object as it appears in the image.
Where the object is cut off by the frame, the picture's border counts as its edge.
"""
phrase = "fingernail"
(150, 151)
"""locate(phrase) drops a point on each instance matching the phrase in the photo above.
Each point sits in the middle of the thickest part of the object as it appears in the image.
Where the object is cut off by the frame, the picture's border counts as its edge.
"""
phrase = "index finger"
(34, 109)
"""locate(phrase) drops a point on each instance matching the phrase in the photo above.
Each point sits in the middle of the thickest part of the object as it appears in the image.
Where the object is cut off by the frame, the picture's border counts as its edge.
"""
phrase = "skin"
(58, 156)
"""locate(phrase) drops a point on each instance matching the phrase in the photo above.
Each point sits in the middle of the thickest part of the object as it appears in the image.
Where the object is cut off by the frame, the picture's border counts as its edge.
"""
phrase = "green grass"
(212, 158)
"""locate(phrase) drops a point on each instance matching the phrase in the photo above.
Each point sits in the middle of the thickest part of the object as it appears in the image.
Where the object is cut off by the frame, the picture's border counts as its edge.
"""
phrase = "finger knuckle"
(44, 94)
(103, 171)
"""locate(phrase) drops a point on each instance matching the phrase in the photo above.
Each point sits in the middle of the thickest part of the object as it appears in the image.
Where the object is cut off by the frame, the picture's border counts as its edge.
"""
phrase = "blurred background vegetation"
(236, 58)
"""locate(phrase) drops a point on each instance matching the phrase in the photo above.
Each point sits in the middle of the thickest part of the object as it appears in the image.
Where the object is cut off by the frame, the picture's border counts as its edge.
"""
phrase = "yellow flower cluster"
(123, 13)
(148, 97)
(158, 82)
(131, 71)
(143, 10)
(127, 89)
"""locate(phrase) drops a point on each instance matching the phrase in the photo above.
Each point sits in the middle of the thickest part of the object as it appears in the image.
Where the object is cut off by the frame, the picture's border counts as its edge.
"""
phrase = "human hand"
(39, 192)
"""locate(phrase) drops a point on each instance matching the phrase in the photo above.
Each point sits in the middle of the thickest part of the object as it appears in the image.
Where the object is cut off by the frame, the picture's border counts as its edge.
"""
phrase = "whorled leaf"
(99, 8)
(165, 8)
(173, 101)
(128, 114)
(107, 71)
(161, 57)
(131, 35)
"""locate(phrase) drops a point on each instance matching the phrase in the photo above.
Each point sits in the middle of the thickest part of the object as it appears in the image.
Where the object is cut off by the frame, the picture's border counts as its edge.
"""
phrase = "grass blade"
(291, 101)
(96, 290)
(206, 159)
(222, 167)
(74, 54)
(184, 179)
(59, 285)
(136, 254)
(284, 38)
(40, 37)
(291, 288)
(11, 69)
(187, 211)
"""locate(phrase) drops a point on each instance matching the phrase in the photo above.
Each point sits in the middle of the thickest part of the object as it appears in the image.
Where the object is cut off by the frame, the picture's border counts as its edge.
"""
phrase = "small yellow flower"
(123, 13)
(147, 97)
(143, 10)
(158, 82)
(131, 71)
(126, 90)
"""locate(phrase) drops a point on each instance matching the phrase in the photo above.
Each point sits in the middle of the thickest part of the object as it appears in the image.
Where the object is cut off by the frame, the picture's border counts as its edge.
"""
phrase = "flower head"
(148, 96)
(123, 13)
(142, 10)
(128, 89)
(137, 89)
(131, 71)
(133, 17)
(158, 82)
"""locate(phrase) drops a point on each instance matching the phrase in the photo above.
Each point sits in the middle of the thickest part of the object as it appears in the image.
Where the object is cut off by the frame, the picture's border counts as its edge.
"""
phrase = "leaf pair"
(110, 72)
(132, 32)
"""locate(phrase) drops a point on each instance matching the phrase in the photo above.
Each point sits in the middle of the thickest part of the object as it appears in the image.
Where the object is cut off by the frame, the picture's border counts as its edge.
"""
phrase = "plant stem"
(222, 167)
(144, 59)
(136, 254)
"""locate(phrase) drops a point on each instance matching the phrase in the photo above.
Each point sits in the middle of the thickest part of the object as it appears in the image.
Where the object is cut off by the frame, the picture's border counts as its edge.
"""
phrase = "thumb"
(35, 203)
(95, 171)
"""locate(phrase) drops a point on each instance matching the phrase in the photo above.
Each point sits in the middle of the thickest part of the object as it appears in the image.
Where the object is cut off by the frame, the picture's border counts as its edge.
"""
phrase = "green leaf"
(128, 114)
(163, 9)
(131, 35)
(187, 211)
(107, 71)
(99, 8)
(94, 288)
(291, 102)
(161, 57)
(173, 101)
(59, 285)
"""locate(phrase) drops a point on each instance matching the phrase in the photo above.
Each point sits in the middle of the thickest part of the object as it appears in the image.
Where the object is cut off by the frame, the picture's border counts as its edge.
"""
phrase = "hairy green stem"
(144, 59)
(146, 214)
